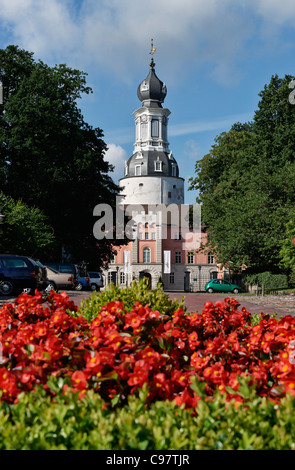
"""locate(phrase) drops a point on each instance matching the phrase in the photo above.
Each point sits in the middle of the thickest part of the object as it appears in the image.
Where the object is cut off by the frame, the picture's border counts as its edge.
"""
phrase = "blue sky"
(214, 56)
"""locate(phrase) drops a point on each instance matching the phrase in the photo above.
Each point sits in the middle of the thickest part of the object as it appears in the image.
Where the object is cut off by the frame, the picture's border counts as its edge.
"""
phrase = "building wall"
(184, 276)
(152, 190)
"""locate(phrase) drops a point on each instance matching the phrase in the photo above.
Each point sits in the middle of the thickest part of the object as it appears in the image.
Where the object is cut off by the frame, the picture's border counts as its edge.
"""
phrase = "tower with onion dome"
(152, 173)
(152, 185)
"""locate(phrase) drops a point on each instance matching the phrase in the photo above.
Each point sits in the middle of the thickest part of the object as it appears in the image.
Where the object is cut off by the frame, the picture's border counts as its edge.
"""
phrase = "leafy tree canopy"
(287, 251)
(246, 183)
(50, 157)
(24, 230)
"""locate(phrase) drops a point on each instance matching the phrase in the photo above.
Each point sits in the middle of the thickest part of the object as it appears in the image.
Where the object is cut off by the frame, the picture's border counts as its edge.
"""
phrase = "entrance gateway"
(146, 275)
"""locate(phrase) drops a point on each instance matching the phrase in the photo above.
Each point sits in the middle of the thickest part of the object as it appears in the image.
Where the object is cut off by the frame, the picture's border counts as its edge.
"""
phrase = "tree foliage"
(246, 183)
(287, 251)
(24, 230)
(49, 156)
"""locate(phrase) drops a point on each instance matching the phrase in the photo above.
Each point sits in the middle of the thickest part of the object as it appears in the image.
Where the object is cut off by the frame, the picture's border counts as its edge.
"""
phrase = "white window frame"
(137, 170)
(146, 254)
(190, 258)
(160, 163)
(122, 278)
(211, 259)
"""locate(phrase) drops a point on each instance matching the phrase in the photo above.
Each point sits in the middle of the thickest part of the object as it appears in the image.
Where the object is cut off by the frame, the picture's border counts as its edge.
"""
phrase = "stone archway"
(146, 275)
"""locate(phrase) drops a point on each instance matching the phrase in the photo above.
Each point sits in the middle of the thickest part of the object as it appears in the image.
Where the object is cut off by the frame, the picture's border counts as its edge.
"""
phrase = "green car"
(221, 285)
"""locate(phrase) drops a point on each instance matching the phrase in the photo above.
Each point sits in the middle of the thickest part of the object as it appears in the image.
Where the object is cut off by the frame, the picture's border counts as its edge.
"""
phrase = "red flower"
(193, 341)
(190, 400)
(79, 380)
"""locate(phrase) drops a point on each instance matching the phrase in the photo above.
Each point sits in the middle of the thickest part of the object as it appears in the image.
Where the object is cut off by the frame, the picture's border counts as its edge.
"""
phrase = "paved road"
(282, 305)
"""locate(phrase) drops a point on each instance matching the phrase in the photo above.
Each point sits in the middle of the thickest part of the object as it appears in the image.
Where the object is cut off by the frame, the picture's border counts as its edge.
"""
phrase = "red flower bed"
(118, 352)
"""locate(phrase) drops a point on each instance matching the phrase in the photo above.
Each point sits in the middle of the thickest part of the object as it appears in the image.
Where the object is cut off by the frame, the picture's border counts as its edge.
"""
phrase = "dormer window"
(173, 170)
(158, 165)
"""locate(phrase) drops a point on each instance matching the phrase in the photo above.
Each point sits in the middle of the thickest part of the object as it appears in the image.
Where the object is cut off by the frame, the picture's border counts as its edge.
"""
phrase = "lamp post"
(117, 268)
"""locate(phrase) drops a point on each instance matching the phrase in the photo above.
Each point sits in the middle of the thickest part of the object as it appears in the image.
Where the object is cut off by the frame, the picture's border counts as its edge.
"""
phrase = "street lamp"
(117, 268)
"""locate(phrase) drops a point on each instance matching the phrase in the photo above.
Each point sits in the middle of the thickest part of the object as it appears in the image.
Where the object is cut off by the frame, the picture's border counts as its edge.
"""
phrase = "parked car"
(221, 285)
(64, 268)
(57, 280)
(18, 273)
(96, 280)
(82, 282)
(43, 278)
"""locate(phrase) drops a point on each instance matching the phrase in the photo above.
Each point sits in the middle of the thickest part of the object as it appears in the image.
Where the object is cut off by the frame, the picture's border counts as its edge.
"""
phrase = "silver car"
(96, 280)
(59, 280)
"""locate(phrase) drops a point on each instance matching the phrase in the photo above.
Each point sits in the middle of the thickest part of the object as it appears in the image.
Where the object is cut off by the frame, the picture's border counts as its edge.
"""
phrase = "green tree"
(287, 251)
(24, 230)
(50, 157)
(246, 183)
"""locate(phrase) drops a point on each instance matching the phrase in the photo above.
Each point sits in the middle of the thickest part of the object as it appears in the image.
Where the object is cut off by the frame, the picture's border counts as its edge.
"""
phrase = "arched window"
(146, 255)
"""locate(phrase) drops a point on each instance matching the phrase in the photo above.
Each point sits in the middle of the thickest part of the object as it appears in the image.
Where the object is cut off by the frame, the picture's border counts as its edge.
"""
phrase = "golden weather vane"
(153, 48)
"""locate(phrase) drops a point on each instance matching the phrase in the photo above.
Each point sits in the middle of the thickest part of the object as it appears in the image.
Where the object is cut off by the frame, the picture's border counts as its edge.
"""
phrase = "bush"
(271, 281)
(292, 278)
(156, 299)
(70, 423)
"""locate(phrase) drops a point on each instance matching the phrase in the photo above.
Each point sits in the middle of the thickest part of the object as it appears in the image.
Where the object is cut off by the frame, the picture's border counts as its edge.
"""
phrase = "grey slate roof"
(152, 91)
(147, 163)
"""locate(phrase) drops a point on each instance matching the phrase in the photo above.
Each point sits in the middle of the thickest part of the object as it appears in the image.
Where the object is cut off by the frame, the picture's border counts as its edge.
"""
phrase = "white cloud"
(44, 27)
(210, 125)
(116, 156)
(114, 35)
(274, 12)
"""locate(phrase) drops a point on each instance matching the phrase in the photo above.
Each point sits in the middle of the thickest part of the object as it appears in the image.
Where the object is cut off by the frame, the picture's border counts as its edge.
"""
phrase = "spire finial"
(153, 50)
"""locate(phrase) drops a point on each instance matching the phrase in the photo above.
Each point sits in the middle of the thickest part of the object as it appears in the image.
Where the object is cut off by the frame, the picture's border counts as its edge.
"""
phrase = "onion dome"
(152, 91)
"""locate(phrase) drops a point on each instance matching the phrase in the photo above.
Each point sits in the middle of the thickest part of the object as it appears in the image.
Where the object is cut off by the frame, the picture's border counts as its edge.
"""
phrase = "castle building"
(158, 248)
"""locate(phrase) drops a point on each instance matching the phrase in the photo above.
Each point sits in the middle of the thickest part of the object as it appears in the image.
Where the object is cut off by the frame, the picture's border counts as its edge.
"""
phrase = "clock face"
(143, 118)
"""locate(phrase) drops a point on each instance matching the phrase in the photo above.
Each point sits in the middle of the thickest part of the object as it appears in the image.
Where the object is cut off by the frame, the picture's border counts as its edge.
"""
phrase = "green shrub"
(271, 281)
(292, 278)
(156, 299)
(37, 423)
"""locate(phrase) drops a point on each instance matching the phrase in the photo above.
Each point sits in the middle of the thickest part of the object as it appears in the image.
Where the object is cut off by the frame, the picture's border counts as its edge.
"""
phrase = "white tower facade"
(152, 173)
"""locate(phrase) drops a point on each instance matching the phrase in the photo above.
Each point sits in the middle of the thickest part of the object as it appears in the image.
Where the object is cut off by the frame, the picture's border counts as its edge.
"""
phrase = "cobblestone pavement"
(280, 304)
